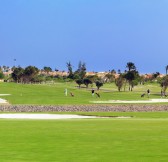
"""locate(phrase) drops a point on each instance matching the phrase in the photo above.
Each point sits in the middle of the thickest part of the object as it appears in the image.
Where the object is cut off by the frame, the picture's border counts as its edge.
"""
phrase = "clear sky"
(105, 34)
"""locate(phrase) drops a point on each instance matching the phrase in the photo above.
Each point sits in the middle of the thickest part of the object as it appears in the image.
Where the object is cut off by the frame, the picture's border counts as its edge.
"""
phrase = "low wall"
(82, 108)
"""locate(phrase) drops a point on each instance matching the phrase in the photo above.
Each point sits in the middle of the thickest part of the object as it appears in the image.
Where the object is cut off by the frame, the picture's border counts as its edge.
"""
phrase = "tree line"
(129, 78)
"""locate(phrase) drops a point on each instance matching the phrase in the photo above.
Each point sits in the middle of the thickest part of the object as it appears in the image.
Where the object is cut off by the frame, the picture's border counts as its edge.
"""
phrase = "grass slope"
(51, 94)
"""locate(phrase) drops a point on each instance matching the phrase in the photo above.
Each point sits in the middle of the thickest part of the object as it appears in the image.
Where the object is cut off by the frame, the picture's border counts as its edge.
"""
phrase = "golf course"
(83, 81)
(53, 94)
(135, 136)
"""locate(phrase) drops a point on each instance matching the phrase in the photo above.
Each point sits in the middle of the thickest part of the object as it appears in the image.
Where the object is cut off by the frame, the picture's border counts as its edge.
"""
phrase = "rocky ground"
(82, 108)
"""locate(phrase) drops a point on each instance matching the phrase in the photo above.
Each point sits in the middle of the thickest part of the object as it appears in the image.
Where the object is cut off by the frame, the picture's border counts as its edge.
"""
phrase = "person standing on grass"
(92, 92)
(65, 91)
(148, 93)
(161, 93)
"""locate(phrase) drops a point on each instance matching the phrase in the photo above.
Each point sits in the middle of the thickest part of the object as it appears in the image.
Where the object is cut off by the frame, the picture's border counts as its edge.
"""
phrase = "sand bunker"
(3, 101)
(133, 101)
(5, 94)
(43, 116)
(54, 116)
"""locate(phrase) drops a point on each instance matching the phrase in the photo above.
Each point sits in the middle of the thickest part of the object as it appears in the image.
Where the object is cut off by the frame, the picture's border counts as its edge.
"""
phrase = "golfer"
(66, 92)
(148, 93)
(93, 92)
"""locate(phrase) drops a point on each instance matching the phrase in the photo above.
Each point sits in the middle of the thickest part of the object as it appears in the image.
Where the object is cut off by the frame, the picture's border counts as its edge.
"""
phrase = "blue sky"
(105, 34)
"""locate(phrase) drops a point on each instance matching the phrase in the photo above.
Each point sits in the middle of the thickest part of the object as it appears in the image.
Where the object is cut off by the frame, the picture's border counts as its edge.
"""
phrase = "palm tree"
(130, 66)
(131, 75)
(81, 71)
(69, 66)
(166, 69)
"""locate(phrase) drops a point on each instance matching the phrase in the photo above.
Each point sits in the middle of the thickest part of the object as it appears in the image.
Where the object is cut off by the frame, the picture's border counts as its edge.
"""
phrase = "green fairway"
(93, 140)
(141, 138)
(52, 94)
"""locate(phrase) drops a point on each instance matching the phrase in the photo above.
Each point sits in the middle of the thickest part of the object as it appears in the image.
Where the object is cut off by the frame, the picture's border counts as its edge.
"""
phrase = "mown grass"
(142, 138)
(51, 94)
(88, 140)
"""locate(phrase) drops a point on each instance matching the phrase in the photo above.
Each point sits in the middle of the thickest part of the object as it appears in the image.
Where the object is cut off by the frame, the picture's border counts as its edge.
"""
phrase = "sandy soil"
(3, 101)
(5, 94)
(133, 101)
(43, 116)
(51, 116)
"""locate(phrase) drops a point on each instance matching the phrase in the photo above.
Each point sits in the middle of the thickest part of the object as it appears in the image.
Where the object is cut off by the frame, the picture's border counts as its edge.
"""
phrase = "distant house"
(54, 73)
(8, 72)
(90, 73)
(161, 75)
